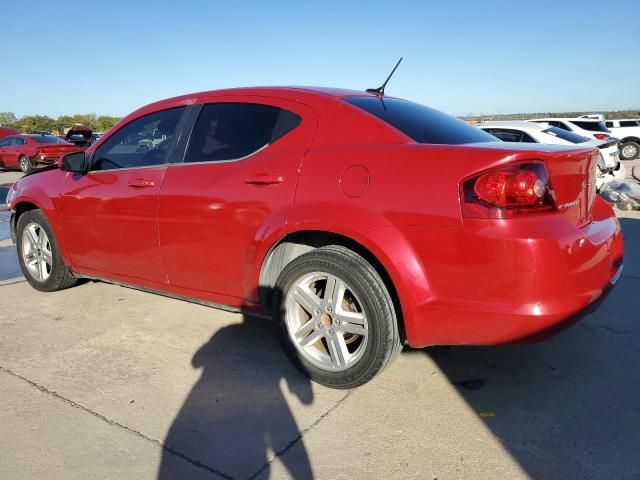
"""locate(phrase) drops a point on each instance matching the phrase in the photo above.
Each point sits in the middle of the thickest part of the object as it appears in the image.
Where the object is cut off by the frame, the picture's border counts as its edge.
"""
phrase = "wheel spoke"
(330, 288)
(311, 339)
(350, 317)
(306, 299)
(30, 259)
(47, 256)
(353, 328)
(42, 238)
(42, 269)
(32, 236)
(337, 350)
(305, 329)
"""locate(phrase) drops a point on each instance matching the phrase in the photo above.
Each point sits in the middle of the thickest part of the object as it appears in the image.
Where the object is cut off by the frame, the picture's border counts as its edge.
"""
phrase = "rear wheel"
(337, 319)
(25, 164)
(629, 150)
(38, 254)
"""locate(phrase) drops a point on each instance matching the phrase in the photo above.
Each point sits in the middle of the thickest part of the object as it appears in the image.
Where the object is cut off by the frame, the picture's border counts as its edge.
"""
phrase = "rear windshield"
(566, 135)
(46, 139)
(422, 124)
(590, 126)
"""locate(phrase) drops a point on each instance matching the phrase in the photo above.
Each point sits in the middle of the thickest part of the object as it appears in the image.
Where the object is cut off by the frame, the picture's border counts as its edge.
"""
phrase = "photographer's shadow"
(236, 417)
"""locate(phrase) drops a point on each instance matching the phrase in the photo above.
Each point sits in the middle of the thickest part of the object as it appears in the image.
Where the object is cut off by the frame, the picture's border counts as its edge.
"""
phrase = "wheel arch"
(23, 205)
(294, 244)
(630, 139)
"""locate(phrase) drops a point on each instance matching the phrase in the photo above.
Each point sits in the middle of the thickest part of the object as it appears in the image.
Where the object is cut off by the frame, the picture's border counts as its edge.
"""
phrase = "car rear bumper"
(502, 281)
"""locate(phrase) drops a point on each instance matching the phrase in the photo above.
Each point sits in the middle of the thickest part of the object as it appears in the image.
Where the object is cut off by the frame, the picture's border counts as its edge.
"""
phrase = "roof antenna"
(380, 90)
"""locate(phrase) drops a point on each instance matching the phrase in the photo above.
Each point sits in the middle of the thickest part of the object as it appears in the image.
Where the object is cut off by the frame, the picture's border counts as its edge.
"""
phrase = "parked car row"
(28, 151)
(549, 132)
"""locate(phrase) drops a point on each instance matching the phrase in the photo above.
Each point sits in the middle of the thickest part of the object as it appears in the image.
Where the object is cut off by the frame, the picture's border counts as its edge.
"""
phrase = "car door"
(234, 189)
(110, 213)
(10, 152)
(5, 143)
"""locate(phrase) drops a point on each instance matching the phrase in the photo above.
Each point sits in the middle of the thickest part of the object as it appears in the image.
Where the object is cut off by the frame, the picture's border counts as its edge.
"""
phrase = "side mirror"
(73, 162)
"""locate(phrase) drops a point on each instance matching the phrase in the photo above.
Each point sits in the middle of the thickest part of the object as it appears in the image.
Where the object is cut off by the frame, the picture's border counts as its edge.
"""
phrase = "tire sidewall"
(36, 216)
(374, 307)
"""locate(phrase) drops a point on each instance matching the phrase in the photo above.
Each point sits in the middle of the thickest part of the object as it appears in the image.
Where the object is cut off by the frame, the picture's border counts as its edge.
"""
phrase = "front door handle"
(141, 183)
(264, 179)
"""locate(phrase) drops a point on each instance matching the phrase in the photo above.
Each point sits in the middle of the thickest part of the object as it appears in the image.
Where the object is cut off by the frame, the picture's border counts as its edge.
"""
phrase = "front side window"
(629, 123)
(17, 141)
(230, 131)
(146, 141)
(609, 124)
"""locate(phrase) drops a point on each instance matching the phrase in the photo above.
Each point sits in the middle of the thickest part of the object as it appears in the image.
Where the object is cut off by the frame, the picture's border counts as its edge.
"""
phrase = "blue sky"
(462, 57)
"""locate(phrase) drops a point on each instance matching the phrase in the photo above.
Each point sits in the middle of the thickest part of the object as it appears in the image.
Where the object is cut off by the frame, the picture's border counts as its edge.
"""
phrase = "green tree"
(35, 122)
(7, 119)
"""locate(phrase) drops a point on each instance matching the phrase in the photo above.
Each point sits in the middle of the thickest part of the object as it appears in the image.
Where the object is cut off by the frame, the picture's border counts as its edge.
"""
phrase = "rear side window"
(231, 131)
(47, 139)
(507, 135)
(590, 126)
(609, 124)
(421, 123)
(19, 141)
(565, 135)
(629, 123)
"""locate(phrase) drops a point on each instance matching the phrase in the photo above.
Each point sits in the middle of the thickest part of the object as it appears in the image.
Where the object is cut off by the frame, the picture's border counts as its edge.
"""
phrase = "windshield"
(566, 135)
(422, 124)
(47, 139)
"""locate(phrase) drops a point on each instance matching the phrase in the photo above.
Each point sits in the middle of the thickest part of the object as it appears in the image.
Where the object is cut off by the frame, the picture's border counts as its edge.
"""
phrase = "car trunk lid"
(572, 176)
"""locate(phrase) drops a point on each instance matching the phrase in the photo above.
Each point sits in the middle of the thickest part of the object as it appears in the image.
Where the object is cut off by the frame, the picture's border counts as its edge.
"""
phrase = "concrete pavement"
(101, 381)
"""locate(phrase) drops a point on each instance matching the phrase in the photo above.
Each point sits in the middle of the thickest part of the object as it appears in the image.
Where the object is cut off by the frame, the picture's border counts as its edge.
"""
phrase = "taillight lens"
(601, 136)
(506, 192)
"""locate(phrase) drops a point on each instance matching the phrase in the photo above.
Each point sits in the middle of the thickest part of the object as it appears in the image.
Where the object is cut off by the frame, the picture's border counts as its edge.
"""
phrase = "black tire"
(383, 341)
(26, 165)
(629, 150)
(59, 276)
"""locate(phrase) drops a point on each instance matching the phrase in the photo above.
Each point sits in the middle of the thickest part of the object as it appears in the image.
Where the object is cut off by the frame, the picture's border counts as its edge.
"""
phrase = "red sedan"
(361, 222)
(25, 152)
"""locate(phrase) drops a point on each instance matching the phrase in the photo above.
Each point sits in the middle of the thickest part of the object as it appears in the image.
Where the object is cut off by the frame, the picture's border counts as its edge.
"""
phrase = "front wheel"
(26, 166)
(336, 316)
(38, 254)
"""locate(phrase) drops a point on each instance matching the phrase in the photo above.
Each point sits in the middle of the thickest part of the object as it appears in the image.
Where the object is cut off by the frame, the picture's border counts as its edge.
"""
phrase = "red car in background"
(26, 152)
(361, 222)
(5, 132)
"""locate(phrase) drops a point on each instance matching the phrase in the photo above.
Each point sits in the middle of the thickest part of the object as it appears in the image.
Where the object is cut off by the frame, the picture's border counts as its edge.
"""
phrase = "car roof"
(294, 93)
(521, 124)
(570, 119)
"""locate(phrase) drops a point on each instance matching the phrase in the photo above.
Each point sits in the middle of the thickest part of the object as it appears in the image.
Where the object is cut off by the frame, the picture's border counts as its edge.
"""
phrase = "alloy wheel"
(36, 252)
(326, 321)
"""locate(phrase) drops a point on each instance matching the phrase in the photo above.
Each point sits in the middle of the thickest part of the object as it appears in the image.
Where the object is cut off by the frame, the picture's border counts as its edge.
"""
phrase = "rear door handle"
(264, 179)
(141, 183)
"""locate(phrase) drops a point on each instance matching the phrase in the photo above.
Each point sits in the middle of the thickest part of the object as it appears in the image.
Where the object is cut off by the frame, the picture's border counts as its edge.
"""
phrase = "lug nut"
(329, 308)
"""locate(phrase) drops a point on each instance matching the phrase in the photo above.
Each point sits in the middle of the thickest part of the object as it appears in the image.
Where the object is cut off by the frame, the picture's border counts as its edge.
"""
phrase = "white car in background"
(530, 132)
(628, 131)
(587, 127)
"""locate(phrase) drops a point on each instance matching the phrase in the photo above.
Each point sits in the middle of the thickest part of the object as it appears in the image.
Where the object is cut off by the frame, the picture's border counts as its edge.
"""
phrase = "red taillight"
(508, 191)
(601, 136)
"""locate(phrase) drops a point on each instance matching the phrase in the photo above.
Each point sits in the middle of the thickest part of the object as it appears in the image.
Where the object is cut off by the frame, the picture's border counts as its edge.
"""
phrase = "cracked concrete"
(100, 381)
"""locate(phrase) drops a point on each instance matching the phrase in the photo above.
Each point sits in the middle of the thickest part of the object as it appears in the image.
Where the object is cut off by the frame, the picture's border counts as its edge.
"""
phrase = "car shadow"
(236, 417)
(568, 407)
